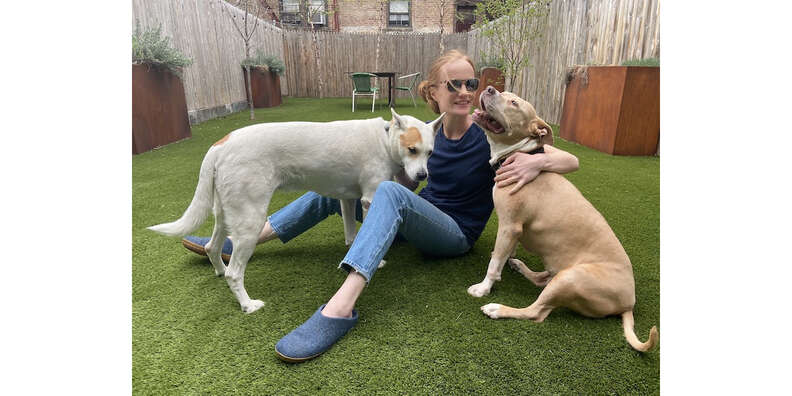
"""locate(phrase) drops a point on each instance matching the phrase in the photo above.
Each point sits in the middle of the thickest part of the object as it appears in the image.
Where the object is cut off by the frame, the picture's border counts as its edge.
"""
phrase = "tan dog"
(587, 269)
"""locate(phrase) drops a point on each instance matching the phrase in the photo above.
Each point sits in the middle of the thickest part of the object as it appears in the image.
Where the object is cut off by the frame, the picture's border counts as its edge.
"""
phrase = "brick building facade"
(371, 15)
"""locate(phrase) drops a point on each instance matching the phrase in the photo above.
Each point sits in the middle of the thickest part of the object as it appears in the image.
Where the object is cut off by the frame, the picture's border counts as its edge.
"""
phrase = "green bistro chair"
(411, 83)
(362, 87)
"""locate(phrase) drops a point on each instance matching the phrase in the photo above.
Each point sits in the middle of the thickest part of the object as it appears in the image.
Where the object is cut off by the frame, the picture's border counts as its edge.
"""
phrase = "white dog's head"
(414, 140)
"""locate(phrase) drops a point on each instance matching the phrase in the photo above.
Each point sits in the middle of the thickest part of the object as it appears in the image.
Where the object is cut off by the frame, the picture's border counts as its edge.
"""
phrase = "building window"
(318, 12)
(465, 18)
(399, 13)
(316, 9)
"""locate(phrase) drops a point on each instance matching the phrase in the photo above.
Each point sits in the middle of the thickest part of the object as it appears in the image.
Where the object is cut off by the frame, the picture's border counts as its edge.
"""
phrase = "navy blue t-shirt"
(461, 179)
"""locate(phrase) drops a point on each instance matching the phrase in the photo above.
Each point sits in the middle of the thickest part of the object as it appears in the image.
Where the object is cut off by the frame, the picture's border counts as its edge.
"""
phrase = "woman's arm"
(522, 168)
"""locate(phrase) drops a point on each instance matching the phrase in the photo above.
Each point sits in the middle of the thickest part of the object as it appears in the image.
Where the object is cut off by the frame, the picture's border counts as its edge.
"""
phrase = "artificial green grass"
(419, 331)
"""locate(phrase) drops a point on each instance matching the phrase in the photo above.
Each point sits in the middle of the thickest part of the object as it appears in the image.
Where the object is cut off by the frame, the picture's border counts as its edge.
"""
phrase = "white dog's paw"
(382, 263)
(478, 290)
(491, 310)
(220, 272)
(252, 306)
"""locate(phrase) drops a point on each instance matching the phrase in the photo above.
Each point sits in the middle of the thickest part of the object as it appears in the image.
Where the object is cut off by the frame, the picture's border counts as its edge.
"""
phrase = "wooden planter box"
(159, 109)
(614, 109)
(265, 86)
(489, 76)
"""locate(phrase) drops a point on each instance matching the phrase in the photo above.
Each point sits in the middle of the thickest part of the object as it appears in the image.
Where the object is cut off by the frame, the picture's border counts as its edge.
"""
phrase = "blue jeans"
(394, 209)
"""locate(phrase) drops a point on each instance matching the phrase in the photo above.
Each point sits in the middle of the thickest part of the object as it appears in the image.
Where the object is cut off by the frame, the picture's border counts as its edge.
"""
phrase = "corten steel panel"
(265, 86)
(639, 124)
(159, 109)
(617, 111)
(489, 76)
(594, 118)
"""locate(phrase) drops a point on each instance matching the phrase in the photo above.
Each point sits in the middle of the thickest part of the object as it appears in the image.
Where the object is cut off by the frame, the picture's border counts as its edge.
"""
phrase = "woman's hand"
(521, 168)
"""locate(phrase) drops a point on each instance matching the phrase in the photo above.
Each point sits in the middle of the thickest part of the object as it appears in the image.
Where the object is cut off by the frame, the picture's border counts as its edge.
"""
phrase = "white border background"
(725, 217)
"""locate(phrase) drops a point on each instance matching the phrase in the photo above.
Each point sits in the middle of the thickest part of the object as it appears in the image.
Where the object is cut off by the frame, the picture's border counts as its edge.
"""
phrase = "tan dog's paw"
(491, 310)
(516, 264)
(479, 290)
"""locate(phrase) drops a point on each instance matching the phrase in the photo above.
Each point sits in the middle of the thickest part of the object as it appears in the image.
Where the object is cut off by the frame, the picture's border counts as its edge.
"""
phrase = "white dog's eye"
(429, 153)
(514, 102)
(413, 150)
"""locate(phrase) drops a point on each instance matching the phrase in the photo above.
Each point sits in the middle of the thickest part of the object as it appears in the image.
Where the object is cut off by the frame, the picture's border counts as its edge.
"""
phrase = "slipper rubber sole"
(196, 248)
(294, 360)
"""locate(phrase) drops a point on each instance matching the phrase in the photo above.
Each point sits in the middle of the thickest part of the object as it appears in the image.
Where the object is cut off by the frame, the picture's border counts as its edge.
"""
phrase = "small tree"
(442, 4)
(383, 21)
(383, 7)
(510, 25)
(308, 10)
(246, 27)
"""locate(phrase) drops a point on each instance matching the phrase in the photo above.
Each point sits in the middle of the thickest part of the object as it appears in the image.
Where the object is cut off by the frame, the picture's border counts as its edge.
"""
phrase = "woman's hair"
(424, 88)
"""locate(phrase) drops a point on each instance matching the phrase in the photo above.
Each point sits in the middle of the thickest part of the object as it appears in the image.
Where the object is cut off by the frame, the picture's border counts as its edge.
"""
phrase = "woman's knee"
(391, 190)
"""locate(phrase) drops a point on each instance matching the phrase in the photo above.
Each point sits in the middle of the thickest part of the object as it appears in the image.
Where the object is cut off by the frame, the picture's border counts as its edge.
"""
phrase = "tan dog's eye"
(412, 150)
(429, 153)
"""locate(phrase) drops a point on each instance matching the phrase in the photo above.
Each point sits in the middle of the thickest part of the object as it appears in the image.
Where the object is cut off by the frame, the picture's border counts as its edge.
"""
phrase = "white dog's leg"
(348, 214)
(365, 203)
(245, 222)
(235, 273)
(214, 248)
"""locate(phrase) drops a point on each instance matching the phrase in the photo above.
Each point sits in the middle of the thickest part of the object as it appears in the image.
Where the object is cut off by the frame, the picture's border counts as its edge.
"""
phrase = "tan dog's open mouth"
(484, 119)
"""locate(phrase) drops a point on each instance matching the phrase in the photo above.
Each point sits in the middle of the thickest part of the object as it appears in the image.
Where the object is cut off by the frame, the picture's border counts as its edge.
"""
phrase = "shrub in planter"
(159, 107)
(491, 73)
(613, 109)
(265, 72)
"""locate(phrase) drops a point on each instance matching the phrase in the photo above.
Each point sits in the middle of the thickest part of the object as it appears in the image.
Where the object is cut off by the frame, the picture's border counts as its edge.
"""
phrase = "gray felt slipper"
(313, 337)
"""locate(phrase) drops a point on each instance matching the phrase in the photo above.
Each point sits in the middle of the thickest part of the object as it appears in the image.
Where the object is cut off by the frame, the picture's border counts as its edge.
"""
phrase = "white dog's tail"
(629, 333)
(201, 203)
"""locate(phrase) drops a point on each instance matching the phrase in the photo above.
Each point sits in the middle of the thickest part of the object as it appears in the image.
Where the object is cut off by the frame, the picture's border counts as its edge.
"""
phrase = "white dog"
(340, 159)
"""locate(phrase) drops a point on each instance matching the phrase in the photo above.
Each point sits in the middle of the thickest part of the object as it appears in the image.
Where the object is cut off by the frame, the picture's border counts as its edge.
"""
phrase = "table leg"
(390, 91)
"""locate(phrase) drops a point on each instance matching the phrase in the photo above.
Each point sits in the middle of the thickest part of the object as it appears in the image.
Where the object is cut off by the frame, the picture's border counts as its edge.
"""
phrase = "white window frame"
(409, 15)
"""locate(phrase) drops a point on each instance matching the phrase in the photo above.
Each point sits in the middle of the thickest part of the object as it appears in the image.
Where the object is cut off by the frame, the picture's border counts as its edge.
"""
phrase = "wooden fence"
(340, 53)
(578, 32)
(581, 32)
(203, 30)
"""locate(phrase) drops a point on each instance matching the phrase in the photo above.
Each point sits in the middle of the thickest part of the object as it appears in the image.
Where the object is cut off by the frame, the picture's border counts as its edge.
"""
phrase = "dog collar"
(498, 163)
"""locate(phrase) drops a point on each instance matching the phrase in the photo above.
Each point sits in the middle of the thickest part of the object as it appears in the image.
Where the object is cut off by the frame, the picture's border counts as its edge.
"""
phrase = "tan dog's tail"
(629, 332)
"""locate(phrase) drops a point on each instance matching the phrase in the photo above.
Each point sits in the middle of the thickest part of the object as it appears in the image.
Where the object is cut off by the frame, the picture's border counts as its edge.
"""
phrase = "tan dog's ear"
(543, 130)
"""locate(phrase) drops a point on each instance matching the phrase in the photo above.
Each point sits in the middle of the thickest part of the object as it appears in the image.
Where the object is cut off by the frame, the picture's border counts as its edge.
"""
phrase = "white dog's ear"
(397, 121)
(437, 123)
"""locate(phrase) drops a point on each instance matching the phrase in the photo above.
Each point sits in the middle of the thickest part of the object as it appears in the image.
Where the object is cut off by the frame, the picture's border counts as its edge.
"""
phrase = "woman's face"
(456, 103)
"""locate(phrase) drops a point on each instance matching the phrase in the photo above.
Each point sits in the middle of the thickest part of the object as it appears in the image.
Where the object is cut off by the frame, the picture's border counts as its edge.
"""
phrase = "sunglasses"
(455, 85)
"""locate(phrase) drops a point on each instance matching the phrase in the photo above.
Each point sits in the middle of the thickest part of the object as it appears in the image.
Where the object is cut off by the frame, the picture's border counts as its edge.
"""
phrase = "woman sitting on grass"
(444, 219)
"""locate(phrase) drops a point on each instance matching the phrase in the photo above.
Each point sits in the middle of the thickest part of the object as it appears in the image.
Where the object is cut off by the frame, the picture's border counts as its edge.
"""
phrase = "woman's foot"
(198, 245)
(327, 325)
(313, 337)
